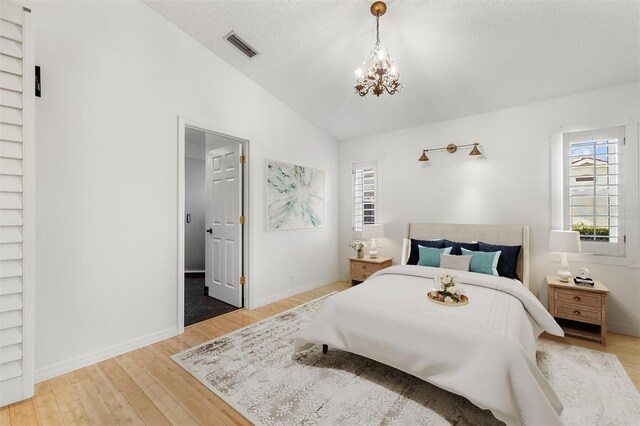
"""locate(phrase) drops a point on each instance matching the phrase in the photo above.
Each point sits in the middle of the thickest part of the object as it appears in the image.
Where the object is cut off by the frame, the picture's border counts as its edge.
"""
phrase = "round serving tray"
(464, 300)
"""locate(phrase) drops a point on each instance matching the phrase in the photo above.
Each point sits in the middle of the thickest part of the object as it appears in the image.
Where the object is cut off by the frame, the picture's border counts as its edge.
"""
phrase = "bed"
(484, 351)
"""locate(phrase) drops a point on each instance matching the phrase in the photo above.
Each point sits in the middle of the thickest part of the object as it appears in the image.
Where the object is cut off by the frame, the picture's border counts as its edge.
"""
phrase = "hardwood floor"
(145, 387)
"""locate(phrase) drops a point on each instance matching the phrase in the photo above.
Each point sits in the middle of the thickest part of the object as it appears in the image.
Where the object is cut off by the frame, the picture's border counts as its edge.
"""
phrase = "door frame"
(183, 123)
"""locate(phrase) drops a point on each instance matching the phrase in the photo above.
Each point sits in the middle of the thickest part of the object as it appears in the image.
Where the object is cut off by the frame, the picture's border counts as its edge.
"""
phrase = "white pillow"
(459, 263)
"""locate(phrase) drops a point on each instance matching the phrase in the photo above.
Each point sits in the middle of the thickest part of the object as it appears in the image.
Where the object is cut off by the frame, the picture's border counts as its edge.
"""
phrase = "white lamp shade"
(565, 241)
(373, 231)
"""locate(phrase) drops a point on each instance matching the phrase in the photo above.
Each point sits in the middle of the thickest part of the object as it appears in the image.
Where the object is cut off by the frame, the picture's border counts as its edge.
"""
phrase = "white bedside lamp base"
(563, 273)
(373, 253)
(564, 242)
(373, 232)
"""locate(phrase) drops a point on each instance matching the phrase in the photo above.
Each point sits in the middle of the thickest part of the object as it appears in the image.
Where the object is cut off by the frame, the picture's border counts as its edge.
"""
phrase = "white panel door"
(16, 204)
(223, 266)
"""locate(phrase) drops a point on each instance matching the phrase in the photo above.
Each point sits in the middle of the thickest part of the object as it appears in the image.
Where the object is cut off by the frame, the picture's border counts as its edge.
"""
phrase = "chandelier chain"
(377, 29)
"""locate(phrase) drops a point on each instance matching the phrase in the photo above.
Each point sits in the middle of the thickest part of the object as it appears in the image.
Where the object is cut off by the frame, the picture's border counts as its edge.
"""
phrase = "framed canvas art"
(295, 196)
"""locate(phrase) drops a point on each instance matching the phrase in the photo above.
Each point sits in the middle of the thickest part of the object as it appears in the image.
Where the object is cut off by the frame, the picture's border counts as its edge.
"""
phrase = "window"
(365, 188)
(594, 189)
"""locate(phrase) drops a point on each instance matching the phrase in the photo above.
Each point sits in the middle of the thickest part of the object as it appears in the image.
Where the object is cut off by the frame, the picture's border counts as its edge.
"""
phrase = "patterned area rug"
(254, 370)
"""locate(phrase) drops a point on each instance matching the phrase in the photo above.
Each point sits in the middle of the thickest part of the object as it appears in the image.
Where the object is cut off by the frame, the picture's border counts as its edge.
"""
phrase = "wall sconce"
(451, 148)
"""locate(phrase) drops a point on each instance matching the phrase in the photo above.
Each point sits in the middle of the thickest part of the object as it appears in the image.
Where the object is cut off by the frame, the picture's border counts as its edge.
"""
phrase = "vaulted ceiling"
(456, 58)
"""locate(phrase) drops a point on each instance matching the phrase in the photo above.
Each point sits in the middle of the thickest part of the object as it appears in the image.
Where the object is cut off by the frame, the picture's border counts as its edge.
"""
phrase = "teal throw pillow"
(483, 262)
(431, 256)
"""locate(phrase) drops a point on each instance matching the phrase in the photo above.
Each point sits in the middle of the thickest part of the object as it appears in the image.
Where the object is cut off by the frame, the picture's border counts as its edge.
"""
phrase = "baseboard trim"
(623, 329)
(101, 355)
(292, 292)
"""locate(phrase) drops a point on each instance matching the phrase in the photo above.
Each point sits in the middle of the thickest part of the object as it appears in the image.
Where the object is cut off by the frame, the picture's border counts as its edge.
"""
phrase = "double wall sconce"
(451, 148)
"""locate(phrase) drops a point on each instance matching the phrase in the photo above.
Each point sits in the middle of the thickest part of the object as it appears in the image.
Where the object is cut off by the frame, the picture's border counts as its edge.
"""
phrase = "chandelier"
(378, 74)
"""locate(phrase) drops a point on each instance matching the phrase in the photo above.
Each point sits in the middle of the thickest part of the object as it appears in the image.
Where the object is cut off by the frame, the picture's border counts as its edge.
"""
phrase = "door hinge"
(624, 239)
(242, 280)
(243, 159)
(242, 220)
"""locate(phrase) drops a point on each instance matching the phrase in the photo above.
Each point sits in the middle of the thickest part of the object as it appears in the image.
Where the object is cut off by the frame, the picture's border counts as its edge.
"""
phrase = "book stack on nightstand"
(581, 311)
(362, 268)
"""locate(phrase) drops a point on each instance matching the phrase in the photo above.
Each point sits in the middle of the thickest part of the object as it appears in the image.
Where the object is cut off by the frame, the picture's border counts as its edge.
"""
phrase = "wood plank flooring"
(145, 387)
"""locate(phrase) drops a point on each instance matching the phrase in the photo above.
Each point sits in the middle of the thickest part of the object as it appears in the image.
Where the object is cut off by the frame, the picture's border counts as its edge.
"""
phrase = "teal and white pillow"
(483, 262)
(431, 256)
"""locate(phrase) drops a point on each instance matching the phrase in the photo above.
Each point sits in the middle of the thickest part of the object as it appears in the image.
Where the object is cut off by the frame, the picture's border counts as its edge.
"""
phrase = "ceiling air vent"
(241, 45)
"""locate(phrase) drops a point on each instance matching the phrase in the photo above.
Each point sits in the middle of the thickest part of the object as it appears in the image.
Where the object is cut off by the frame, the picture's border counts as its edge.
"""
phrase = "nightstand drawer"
(357, 275)
(582, 299)
(578, 313)
(359, 268)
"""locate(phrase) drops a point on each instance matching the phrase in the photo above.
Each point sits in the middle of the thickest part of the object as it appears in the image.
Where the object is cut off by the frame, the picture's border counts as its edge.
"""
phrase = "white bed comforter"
(484, 351)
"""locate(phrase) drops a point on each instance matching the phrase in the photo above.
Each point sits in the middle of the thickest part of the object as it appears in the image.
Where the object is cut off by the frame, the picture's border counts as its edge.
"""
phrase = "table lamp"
(564, 242)
(371, 232)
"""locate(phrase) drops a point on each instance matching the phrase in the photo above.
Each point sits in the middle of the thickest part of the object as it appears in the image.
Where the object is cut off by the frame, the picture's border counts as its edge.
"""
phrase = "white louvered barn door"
(16, 203)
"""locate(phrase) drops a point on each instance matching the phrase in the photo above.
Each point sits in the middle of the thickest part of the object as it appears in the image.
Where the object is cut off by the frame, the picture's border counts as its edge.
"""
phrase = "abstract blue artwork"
(295, 196)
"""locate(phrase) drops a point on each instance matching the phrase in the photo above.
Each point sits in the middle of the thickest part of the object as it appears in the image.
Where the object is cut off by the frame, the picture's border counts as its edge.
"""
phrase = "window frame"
(601, 248)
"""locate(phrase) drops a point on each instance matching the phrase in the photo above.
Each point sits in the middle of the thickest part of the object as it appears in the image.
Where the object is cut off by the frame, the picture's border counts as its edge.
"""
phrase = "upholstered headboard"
(509, 235)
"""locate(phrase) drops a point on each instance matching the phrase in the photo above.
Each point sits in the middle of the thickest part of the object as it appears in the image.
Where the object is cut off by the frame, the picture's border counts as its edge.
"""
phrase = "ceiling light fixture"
(378, 74)
(451, 148)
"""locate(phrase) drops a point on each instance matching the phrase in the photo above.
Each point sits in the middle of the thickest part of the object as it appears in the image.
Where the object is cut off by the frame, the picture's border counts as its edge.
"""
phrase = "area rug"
(254, 370)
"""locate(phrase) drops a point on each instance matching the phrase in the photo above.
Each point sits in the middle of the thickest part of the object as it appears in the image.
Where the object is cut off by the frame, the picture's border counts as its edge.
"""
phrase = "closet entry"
(16, 203)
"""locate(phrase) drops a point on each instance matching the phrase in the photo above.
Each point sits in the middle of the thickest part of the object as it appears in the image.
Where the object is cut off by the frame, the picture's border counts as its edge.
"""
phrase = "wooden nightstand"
(361, 269)
(580, 311)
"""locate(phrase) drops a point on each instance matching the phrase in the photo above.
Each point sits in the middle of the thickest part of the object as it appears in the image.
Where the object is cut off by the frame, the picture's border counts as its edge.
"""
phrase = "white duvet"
(484, 351)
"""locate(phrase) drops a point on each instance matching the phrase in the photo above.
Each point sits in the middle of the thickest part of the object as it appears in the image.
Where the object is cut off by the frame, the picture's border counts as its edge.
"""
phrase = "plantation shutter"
(16, 207)
(364, 194)
(594, 189)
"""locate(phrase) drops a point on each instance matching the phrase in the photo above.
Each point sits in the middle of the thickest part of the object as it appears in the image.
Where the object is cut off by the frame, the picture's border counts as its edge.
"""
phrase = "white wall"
(510, 186)
(115, 78)
(195, 200)
(195, 144)
(195, 206)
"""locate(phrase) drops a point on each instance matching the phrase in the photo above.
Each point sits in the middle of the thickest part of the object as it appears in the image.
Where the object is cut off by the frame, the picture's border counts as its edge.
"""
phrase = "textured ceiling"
(455, 58)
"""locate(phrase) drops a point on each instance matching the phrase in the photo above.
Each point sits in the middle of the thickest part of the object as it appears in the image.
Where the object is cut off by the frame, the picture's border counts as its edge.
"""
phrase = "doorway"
(213, 237)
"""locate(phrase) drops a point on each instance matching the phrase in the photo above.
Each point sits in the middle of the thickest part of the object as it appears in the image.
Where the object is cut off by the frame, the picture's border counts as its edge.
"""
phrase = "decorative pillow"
(457, 246)
(414, 253)
(459, 263)
(508, 263)
(483, 262)
(431, 256)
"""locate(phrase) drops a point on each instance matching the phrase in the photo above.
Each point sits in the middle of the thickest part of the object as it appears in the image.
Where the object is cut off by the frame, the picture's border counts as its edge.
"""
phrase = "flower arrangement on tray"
(447, 291)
